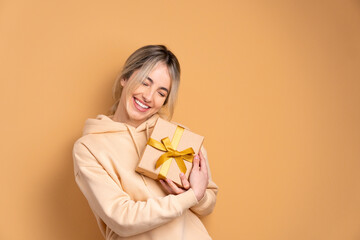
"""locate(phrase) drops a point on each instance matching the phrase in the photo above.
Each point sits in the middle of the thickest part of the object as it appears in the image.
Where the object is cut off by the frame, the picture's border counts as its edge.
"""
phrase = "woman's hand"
(199, 176)
(198, 179)
(172, 188)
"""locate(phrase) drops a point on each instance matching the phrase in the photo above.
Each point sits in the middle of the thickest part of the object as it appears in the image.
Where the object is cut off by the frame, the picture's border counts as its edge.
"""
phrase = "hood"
(104, 124)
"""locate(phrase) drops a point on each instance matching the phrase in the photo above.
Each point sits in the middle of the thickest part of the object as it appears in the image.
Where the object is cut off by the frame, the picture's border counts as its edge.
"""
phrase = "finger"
(184, 181)
(201, 155)
(196, 162)
(203, 166)
(173, 186)
(166, 186)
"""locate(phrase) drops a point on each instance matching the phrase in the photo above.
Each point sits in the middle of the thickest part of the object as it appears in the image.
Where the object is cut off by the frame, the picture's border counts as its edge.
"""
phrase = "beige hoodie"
(126, 204)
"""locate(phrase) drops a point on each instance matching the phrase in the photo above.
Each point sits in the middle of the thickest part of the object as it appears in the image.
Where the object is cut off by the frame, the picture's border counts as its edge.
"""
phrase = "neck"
(121, 116)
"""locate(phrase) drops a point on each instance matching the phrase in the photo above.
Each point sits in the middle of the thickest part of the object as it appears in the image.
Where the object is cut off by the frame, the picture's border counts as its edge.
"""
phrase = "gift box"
(169, 151)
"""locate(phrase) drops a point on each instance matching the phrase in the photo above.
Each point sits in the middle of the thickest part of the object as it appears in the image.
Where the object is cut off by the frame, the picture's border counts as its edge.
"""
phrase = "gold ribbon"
(170, 152)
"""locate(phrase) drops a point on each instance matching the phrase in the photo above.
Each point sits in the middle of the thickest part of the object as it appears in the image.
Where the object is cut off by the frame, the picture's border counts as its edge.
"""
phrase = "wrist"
(198, 194)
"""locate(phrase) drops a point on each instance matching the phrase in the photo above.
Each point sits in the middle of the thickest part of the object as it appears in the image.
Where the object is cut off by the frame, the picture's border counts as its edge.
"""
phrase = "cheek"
(160, 102)
(138, 90)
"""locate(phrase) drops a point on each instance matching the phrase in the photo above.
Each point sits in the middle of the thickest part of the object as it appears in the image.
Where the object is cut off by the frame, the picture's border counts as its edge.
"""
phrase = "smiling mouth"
(141, 105)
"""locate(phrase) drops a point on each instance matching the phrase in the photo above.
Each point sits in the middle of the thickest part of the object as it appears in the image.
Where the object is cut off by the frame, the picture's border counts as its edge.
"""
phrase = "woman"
(126, 204)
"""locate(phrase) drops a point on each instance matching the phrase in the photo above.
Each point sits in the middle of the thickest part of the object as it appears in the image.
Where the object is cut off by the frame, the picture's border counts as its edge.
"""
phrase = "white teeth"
(141, 105)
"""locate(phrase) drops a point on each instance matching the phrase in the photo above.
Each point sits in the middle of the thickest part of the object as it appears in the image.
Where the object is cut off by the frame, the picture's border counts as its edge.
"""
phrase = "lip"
(139, 107)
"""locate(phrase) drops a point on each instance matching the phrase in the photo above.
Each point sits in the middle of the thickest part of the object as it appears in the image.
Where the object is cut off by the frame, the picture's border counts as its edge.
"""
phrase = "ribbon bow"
(170, 152)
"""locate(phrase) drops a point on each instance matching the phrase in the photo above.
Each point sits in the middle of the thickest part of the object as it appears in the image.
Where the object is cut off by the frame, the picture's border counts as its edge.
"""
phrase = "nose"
(147, 95)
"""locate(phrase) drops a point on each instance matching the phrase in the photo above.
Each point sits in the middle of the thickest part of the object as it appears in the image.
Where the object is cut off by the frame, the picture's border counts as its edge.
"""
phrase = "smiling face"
(137, 106)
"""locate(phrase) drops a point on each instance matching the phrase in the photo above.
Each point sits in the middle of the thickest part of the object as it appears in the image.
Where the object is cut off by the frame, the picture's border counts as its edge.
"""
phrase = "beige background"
(272, 85)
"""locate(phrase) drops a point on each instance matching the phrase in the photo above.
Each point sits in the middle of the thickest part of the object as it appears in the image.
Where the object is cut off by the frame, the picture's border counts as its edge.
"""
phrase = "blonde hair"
(145, 59)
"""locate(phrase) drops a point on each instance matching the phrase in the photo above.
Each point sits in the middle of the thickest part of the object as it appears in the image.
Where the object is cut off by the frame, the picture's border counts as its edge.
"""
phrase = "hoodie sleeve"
(114, 206)
(206, 205)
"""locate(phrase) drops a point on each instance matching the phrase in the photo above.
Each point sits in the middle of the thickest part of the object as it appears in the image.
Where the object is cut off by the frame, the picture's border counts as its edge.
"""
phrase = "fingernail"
(181, 174)
(197, 157)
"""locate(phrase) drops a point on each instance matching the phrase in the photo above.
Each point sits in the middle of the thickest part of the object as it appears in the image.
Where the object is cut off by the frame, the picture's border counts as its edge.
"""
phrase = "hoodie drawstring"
(133, 139)
(136, 146)
(147, 131)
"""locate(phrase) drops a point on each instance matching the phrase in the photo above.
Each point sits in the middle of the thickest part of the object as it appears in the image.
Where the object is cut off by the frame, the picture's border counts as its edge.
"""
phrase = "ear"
(123, 82)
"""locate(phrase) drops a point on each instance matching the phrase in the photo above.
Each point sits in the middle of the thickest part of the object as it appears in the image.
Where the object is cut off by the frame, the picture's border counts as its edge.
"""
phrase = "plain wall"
(274, 86)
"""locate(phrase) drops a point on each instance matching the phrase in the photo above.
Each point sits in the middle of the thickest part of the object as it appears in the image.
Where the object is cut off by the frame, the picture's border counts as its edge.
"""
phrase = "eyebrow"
(152, 81)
